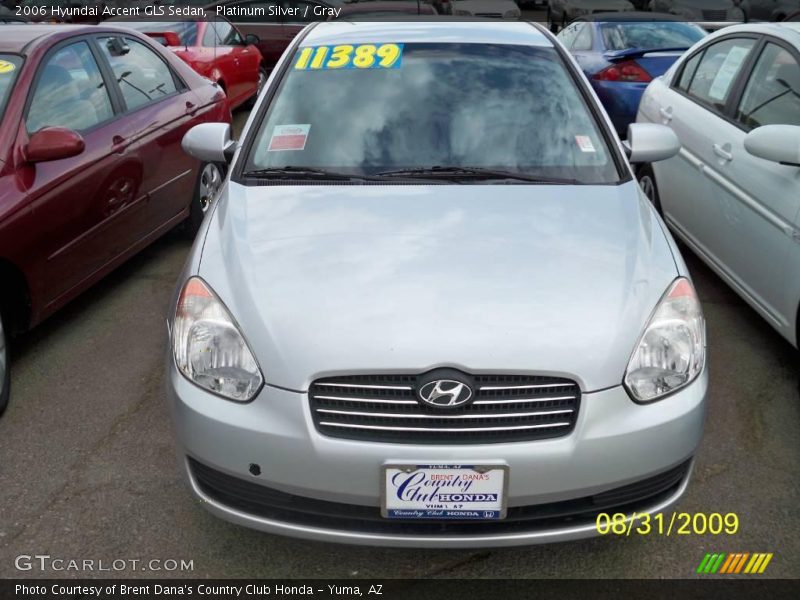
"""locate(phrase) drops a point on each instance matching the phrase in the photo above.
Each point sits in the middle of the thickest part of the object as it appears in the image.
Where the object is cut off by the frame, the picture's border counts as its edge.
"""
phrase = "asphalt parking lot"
(89, 469)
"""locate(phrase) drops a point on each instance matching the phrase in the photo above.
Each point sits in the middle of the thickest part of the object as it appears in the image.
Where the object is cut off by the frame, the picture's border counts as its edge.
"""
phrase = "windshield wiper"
(457, 173)
(304, 173)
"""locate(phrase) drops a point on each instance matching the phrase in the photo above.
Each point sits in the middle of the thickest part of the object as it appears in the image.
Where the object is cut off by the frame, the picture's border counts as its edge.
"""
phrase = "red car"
(215, 49)
(91, 165)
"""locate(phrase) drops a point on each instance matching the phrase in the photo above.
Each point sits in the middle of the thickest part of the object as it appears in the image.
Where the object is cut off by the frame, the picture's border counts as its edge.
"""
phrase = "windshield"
(9, 67)
(504, 107)
(650, 36)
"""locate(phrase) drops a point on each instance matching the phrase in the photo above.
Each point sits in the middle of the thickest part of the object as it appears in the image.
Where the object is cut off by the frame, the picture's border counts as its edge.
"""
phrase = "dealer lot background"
(89, 467)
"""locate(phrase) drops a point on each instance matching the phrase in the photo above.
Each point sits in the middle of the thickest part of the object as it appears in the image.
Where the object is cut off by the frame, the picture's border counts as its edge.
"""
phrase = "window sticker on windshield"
(347, 56)
(6, 67)
(728, 70)
(288, 137)
(584, 143)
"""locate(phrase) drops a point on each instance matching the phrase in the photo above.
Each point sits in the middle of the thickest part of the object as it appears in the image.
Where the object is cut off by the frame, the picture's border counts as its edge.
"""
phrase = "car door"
(759, 199)
(694, 107)
(260, 17)
(89, 206)
(159, 110)
(238, 61)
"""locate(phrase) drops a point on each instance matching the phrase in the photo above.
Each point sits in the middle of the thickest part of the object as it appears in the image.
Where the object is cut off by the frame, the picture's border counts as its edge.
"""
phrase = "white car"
(561, 12)
(733, 192)
(492, 9)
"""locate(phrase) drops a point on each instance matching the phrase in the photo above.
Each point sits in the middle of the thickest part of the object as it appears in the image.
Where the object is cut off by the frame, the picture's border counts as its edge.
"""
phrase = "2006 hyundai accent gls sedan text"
(431, 306)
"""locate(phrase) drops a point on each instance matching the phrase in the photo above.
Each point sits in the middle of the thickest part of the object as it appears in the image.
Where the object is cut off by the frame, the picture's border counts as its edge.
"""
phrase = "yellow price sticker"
(6, 67)
(347, 56)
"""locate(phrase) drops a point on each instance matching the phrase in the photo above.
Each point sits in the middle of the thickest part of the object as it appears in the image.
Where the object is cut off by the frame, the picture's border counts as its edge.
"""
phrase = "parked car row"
(713, 14)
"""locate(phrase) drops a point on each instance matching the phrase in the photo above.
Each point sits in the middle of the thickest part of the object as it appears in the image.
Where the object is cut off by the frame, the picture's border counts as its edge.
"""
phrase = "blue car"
(620, 53)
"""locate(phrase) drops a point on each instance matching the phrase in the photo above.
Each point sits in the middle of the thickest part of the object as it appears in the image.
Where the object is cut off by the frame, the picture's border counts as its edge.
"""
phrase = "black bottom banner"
(392, 589)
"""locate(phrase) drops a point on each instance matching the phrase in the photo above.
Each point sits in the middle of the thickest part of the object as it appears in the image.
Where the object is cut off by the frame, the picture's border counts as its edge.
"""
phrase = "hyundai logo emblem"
(445, 393)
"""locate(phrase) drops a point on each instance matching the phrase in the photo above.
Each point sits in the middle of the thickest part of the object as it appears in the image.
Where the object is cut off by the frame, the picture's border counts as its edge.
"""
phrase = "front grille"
(255, 499)
(714, 15)
(385, 408)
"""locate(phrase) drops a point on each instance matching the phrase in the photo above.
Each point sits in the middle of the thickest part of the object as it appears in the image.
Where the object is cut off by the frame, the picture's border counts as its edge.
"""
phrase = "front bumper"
(615, 443)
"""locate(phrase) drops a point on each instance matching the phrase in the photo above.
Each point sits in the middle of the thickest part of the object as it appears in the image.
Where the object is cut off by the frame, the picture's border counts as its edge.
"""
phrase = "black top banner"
(555, 12)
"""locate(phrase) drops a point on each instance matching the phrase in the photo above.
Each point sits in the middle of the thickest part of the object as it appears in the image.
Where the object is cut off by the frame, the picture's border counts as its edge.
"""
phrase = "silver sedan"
(430, 308)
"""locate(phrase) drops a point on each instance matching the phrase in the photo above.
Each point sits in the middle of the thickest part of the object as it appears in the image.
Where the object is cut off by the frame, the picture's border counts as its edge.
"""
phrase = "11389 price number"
(347, 56)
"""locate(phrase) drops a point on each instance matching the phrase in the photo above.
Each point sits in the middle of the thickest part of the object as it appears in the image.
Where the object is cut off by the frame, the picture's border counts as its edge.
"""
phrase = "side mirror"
(53, 143)
(252, 39)
(209, 142)
(776, 143)
(650, 142)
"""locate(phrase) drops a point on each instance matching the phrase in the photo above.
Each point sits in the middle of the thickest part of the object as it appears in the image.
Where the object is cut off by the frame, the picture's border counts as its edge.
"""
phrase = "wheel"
(647, 181)
(5, 369)
(209, 183)
(263, 75)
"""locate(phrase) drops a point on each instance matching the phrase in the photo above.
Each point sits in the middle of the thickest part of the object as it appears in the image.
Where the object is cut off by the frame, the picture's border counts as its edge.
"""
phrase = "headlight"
(671, 351)
(511, 14)
(462, 13)
(735, 14)
(209, 349)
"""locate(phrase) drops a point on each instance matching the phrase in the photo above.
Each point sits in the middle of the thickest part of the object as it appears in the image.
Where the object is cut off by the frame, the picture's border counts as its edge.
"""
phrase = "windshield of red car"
(9, 67)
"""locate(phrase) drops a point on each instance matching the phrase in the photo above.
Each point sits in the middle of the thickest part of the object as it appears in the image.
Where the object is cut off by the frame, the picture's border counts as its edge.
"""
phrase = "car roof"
(427, 30)
(787, 31)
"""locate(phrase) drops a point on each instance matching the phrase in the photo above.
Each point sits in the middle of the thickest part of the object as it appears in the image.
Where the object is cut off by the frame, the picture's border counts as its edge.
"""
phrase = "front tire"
(5, 368)
(647, 181)
(209, 183)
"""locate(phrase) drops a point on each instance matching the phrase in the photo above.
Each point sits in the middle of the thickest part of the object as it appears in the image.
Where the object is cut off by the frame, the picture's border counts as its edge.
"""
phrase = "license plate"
(444, 492)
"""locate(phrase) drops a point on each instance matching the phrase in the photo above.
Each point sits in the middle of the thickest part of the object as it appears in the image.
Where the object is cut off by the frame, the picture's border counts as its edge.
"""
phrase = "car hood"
(330, 279)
